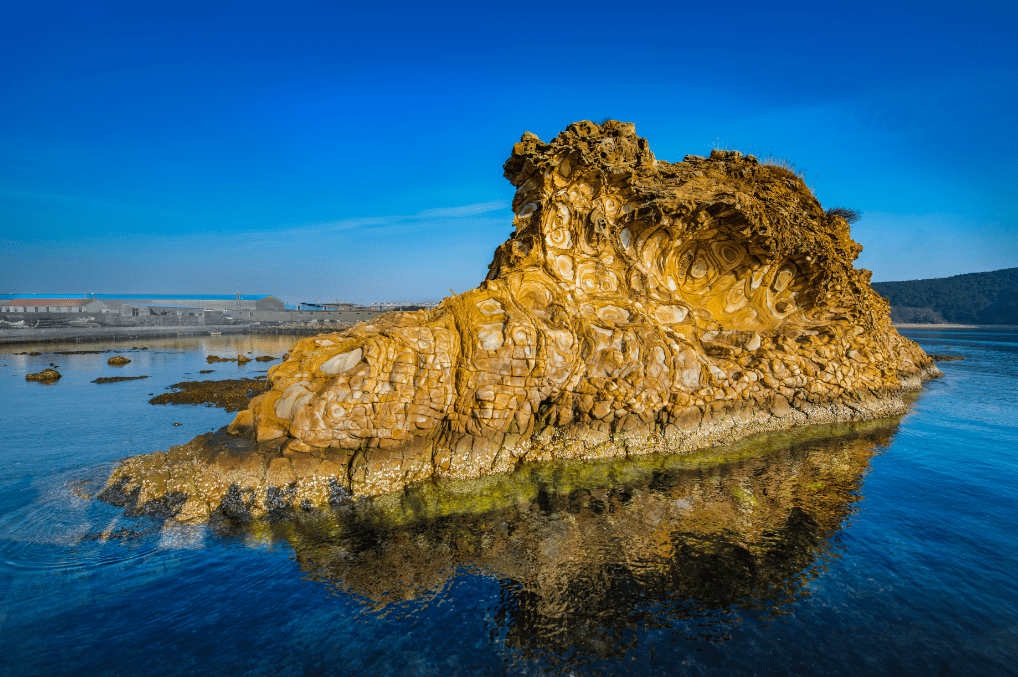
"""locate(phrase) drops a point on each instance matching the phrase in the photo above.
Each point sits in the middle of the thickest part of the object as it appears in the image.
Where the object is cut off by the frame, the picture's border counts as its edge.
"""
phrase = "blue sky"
(355, 151)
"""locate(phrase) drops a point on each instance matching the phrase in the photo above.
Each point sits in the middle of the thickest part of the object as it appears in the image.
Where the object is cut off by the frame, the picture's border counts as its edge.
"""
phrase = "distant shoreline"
(999, 327)
(90, 334)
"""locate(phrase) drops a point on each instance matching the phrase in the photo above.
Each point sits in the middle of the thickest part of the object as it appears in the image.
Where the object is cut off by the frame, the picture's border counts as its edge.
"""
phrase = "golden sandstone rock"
(640, 306)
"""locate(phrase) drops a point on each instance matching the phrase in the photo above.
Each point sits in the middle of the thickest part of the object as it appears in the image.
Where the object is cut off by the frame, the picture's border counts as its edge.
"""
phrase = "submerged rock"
(230, 394)
(945, 358)
(118, 379)
(44, 376)
(240, 359)
(640, 306)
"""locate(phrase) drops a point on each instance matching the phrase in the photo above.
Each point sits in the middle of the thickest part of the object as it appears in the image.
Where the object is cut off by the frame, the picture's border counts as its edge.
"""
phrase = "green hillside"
(974, 298)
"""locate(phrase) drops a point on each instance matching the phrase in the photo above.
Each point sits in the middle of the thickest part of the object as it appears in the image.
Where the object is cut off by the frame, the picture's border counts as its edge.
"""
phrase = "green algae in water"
(445, 497)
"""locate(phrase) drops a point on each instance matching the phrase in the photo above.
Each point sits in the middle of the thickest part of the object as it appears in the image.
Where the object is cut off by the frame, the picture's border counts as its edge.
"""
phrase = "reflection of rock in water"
(586, 552)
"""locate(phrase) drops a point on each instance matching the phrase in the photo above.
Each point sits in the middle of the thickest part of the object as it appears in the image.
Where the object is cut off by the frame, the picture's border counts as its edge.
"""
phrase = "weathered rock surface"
(118, 361)
(640, 306)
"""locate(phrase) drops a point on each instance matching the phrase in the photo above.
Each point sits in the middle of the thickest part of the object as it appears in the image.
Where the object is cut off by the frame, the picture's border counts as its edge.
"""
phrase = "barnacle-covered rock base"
(639, 307)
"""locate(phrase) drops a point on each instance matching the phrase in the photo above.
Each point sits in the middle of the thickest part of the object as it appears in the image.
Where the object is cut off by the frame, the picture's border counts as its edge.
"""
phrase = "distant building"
(54, 306)
(330, 306)
(384, 306)
(136, 309)
(209, 302)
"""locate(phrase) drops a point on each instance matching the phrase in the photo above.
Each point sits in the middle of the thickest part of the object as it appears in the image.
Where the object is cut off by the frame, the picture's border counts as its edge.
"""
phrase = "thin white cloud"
(465, 210)
(435, 214)
(417, 255)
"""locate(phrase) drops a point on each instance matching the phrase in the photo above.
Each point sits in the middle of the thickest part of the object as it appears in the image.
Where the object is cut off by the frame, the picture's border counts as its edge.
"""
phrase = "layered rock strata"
(639, 306)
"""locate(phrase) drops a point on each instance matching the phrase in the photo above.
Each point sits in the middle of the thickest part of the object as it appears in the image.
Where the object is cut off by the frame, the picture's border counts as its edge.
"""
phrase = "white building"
(54, 306)
(138, 309)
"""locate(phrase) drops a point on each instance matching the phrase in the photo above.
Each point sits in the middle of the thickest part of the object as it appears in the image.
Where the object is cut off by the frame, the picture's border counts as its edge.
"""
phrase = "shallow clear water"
(882, 548)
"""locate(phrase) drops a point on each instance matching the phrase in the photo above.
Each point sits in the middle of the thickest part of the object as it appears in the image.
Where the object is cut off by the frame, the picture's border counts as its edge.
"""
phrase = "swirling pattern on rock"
(640, 306)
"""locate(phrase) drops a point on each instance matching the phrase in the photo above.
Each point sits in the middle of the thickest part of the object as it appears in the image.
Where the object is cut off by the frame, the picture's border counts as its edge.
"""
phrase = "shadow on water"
(590, 557)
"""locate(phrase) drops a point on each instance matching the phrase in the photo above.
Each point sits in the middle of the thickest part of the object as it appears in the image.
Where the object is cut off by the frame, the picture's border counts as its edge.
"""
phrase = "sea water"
(883, 548)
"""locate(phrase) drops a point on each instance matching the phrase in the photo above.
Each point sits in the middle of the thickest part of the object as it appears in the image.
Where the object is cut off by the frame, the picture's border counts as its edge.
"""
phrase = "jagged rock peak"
(603, 179)
(611, 144)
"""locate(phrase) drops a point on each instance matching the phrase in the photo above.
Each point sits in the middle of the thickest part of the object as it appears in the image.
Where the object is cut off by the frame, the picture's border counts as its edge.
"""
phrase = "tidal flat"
(879, 547)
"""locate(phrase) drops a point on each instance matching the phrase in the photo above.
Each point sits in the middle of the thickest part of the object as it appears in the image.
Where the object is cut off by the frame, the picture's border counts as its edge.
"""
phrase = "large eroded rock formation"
(640, 306)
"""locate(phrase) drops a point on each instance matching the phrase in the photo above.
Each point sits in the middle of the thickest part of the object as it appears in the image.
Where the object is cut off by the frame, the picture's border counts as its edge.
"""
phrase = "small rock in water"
(117, 379)
(44, 376)
(240, 359)
(118, 361)
(946, 358)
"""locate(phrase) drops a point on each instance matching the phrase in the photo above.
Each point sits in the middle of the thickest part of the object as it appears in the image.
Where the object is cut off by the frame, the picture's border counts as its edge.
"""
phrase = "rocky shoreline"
(981, 327)
(639, 307)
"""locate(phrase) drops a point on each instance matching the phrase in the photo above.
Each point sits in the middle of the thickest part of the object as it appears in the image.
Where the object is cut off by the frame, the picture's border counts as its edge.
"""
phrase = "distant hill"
(974, 298)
